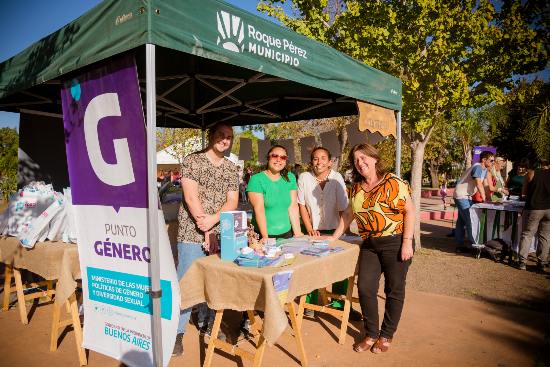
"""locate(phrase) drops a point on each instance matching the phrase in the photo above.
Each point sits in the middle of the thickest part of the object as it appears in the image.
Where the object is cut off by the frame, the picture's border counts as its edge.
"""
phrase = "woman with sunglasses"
(272, 194)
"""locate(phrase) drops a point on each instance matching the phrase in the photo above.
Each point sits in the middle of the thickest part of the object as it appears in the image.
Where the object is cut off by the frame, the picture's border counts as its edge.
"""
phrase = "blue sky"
(23, 22)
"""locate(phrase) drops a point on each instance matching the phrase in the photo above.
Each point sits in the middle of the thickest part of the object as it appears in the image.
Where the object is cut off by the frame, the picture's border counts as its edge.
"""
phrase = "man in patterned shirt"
(210, 185)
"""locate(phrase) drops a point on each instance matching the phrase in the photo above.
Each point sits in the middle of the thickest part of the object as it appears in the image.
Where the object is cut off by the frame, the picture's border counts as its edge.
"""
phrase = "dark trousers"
(382, 255)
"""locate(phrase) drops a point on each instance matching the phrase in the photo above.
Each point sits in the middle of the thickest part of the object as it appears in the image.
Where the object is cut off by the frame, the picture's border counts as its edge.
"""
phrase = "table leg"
(50, 289)
(254, 328)
(55, 327)
(213, 337)
(297, 333)
(301, 307)
(260, 349)
(347, 309)
(20, 297)
(72, 305)
(8, 272)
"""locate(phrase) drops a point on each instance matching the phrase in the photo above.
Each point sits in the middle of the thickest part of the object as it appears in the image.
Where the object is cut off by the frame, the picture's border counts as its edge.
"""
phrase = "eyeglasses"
(275, 156)
(491, 160)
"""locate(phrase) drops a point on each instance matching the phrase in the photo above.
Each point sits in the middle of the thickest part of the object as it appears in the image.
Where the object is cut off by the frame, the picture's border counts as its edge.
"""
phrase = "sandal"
(381, 346)
(364, 344)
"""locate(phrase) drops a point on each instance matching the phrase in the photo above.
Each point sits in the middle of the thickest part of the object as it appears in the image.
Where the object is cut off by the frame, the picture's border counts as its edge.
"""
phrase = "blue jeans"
(187, 253)
(463, 220)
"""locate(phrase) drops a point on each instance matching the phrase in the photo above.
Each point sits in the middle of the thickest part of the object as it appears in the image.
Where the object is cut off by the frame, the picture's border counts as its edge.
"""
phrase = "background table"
(225, 285)
(52, 261)
(492, 221)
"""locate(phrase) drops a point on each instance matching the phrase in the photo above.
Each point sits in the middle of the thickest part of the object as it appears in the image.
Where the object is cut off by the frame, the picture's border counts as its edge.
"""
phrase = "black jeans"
(382, 255)
(285, 235)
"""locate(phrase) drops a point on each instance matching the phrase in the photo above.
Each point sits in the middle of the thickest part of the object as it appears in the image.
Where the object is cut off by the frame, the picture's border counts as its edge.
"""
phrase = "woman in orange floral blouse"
(380, 202)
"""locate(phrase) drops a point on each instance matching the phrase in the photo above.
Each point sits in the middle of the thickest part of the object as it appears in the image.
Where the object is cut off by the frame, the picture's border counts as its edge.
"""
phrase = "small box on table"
(233, 234)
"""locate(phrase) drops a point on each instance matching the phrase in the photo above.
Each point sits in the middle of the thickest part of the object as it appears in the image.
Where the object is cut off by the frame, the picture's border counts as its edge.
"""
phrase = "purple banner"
(105, 136)
(478, 150)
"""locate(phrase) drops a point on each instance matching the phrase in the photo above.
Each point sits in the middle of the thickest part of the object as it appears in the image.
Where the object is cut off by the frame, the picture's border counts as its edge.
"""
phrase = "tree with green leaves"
(182, 141)
(9, 144)
(300, 129)
(520, 126)
(469, 130)
(448, 54)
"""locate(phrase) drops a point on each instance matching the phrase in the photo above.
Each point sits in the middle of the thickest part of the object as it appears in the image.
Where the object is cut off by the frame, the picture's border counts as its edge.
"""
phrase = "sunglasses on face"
(275, 156)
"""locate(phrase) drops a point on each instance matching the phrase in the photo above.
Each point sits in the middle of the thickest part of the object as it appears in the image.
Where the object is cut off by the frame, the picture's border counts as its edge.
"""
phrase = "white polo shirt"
(323, 205)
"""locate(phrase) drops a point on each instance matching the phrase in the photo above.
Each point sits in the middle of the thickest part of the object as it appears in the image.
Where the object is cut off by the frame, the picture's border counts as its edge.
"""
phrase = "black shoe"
(244, 330)
(178, 346)
(521, 266)
(355, 315)
(462, 249)
(206, 330)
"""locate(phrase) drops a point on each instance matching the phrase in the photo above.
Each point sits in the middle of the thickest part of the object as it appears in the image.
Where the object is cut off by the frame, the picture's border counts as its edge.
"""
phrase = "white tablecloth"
(514, 208)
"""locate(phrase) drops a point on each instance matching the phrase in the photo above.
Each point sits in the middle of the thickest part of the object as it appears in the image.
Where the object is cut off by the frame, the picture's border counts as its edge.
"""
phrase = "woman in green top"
(273, 194)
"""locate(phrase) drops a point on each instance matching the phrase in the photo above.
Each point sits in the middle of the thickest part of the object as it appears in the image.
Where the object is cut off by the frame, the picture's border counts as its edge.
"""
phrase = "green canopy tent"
(199, 62)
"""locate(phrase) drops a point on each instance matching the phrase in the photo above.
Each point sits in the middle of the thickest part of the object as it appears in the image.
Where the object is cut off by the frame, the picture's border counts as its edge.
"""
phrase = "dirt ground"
(438, 269)
(459, 311)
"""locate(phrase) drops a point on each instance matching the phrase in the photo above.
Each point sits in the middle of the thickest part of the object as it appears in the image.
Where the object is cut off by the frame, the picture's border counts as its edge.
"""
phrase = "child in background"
(443, 193)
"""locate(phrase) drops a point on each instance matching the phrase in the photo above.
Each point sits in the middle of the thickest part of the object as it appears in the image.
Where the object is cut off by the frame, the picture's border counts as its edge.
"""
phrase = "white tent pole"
(152, 212)
(398, 145)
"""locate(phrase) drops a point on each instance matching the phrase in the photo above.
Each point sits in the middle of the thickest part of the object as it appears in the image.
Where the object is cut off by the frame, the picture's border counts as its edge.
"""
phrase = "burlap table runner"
(225, 285)
(51, 260)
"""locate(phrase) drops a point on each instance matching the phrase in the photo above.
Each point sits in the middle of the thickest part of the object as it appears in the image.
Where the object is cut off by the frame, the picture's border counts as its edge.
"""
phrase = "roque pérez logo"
(231, 36)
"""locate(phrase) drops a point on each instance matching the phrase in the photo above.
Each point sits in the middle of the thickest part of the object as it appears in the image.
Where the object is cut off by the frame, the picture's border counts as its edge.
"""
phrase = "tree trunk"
(417, 155)
(434, 174)
(343, 140)
(467, 150)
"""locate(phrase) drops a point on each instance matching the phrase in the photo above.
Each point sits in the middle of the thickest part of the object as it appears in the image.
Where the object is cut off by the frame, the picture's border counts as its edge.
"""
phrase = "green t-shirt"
(276, 201)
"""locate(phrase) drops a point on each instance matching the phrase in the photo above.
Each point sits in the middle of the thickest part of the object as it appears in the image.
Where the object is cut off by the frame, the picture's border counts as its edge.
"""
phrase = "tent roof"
(215, 62)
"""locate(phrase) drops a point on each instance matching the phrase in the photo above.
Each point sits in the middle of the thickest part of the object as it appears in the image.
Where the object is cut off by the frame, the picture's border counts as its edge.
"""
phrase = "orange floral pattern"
(380, 212)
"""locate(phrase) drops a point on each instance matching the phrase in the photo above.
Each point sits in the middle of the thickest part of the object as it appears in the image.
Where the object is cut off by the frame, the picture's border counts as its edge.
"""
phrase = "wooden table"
(224, 285)
(55, 262)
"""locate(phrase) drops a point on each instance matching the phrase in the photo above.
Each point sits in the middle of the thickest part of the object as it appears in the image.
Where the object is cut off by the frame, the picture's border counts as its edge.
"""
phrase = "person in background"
(381, 204)
(242, 187)
(469, 183)
(322, 198)
(166, 177)
(175, 176)
(494, 182)
(272, 194)
(297, 170)
(247, 175)
(210, 186)
(443, 192)
(536, 215)
(515, 179)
